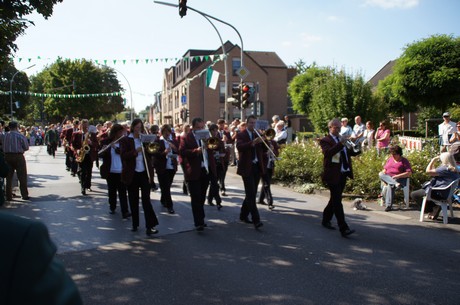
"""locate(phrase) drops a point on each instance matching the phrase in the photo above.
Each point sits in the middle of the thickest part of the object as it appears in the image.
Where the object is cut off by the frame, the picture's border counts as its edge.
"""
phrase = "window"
(236, 64)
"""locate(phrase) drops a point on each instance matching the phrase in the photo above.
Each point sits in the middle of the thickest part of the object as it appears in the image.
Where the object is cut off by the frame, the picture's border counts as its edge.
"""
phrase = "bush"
(302, 164)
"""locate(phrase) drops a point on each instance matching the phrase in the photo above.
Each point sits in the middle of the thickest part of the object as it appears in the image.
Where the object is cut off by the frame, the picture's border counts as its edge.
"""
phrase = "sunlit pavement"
(292, 259)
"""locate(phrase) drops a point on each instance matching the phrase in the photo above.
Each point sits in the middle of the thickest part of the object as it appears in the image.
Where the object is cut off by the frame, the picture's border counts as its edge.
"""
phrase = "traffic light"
(247, 97)
(236, 94)
(182, 8)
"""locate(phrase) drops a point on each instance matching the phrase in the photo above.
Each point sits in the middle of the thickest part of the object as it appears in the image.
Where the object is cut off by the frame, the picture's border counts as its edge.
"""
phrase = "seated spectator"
(394, 174)
(442, 175)
(281, 133)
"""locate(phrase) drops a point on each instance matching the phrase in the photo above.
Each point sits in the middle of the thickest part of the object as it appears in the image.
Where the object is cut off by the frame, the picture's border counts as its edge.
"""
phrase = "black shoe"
(134, 229)
(245, 220)
(258, 225)
(271, 206)
(388, 209)
(219, 206)
(126, 215)
(210, 202)
(328, 225)
(151, 231)
(223, 193)
(112, 212)
(347, 232)
(262, 202)
(200, 228)
(26, 198)
(72, 174)
(83, 191)
(171, 211)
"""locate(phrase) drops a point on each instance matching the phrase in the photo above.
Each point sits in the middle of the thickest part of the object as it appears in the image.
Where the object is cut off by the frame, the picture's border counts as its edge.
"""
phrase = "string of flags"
(56, 95)
(197, 58)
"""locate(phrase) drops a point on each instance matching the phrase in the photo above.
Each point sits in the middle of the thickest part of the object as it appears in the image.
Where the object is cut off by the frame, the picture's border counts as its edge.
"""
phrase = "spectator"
(281, 134)
(394, 174)
(442, 175)
(382, 137)
(368, 136)
(358, 131)
(445, 130)
(345, 130)
(288, 128)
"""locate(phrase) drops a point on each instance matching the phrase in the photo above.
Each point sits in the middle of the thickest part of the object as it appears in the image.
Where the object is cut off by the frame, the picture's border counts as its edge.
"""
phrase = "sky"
(360, 36)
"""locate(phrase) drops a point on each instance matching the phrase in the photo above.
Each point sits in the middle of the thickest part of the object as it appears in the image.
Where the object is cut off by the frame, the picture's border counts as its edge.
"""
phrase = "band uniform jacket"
(160, 157)
(212, 161)
(332, 170)
(128, 156)
(191, 157)
(227, 150)
(245, 150)
(268, 153)
(77, 141)
(106, 159)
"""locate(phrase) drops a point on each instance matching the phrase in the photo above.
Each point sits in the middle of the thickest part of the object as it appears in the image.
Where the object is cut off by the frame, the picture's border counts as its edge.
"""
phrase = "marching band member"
(154, 130)
(222, 167)
(111, 169)
(134, 174)
(250, 150)
(84, 145)
(184, 133)
(165, 163)
(216, 156)
(269, 165)
(66, 136)
(195, 172)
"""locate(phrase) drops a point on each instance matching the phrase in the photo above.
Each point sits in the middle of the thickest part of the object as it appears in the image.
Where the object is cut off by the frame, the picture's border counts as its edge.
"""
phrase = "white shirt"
(140, 166)
(169, 163)
(446, 129)
(116, 165)
(346, 131)
(359, 129)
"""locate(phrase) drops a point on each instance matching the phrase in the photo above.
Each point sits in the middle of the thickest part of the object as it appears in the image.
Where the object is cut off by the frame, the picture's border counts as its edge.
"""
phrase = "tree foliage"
(323, 93)
(427, 73)
(13, 24)
(73, 77)
(20, 83)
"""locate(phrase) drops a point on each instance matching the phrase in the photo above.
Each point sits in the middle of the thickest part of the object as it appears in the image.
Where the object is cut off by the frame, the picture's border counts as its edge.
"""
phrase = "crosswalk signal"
(182, 8)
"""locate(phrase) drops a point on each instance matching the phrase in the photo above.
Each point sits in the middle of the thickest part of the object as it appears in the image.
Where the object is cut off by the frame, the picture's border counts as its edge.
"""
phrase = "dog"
(358, 204)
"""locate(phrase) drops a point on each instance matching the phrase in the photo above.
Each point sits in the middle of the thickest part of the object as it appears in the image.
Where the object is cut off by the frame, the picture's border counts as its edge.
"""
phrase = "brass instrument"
(349, 144)
(146, 139)
(81, 153)
(212, 143)
(152, 147)
(269, 134)
(265, 143)
(203, 135)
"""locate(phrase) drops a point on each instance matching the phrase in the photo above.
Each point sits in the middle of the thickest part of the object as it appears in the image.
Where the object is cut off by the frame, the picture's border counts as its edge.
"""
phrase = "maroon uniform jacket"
(246, 151)
(128, 156)
(191, 157)
(332, 170)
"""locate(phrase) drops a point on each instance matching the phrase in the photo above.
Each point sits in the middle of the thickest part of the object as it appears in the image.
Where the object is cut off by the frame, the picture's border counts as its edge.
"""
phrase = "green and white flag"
(212, 77)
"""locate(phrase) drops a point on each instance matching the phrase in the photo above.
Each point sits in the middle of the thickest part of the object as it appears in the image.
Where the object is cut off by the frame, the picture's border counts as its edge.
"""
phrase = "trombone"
(147, 138)
(265, 143)
(110, 145)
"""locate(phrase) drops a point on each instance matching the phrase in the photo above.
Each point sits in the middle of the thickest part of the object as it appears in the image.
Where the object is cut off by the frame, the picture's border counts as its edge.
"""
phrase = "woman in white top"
(281, 134)
(368, 136)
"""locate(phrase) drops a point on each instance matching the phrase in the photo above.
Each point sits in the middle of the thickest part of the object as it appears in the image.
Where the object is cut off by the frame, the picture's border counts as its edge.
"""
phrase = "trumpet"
(349, 144)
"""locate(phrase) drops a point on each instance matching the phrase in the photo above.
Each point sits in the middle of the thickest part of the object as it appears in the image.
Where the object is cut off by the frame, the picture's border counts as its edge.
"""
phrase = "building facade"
(185, 94)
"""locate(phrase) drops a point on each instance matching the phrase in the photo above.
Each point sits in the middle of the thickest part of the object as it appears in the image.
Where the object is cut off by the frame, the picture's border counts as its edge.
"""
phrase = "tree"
(74, 77)
(427, 73)
(21, 84)
(13, 24)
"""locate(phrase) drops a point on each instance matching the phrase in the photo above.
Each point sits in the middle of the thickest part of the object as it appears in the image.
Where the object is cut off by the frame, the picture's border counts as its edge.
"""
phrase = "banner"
(212, 77)
(55, 95)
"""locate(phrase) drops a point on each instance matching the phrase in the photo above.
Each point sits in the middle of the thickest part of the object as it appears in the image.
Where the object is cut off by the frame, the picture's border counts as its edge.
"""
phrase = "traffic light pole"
(226, 23)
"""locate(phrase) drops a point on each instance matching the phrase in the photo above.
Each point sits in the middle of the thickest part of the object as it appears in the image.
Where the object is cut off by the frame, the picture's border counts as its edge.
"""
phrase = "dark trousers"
(141, 181)
(165, 180)
(213, 189)
(250, 189)
(68, 159)
(73, 163)
(184, 183)
(197, 189)
(17, 163)
(85, 171)
(221, 174)
(418, 195)
(334, 206)
(115, 185)
(265, 189)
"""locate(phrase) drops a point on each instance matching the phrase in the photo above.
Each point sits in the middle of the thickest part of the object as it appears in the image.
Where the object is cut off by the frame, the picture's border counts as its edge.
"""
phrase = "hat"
(445, 114)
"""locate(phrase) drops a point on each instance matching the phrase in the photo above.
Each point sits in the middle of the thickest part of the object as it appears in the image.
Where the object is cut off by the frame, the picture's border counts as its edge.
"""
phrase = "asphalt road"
(292, 259)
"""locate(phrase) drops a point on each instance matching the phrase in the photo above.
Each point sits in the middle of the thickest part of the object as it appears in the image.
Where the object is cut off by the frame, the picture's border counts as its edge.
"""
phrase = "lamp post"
(11, 88)
(129, 86)
(206, 16)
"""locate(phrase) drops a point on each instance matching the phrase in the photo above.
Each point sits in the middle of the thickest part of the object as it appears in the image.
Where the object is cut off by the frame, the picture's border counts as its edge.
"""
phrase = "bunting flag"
(212, 77)
(56, 95)
(197, 58)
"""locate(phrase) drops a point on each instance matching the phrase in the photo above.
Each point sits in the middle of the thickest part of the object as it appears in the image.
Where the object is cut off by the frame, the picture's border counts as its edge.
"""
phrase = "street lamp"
(206, 16)
(11, 89)
(129, 85)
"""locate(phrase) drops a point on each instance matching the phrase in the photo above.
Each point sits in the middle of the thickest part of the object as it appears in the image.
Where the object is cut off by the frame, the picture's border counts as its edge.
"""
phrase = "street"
(392, 259)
